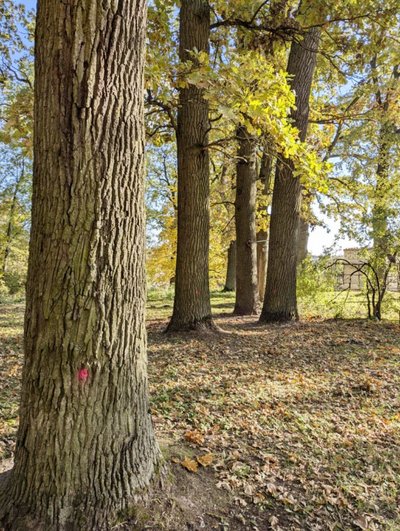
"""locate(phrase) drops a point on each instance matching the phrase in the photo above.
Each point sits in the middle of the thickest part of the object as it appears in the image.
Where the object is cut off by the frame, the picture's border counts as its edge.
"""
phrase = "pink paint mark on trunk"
(83, 375)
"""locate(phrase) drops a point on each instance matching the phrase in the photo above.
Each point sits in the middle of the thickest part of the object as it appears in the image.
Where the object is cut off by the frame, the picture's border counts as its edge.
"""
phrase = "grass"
(160, 303)
(302, 420)
(346, 305)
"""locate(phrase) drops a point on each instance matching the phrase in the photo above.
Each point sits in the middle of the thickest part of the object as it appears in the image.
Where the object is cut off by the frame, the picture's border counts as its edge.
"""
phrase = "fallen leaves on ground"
(303, 420)
(300, 424)
(194, 436)
(205, 460)
(190, 464)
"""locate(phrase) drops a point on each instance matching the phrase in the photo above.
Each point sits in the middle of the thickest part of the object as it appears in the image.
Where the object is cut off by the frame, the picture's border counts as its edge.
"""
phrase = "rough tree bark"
(192, 308)
(280, 302)
(85, 445)
(230, 282)
(246, 302)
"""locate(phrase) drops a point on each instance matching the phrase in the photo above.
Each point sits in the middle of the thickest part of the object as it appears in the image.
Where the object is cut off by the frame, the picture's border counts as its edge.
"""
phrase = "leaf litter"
(303, 421)
(298, 425)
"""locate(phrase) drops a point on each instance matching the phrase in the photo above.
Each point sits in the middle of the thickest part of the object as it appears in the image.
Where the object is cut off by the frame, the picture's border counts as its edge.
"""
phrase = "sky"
(30, 4)
(320, 238)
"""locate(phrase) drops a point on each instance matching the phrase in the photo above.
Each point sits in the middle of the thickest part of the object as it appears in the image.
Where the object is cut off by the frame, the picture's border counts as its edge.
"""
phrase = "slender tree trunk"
(380, 241)
(262, 235)
(377, 310)
(10, 225)
(262, 260)
(192, 308)
(382, 193)
(302, 246)
(230, 282)
(245, 217)
(85, 445)
(280, 302)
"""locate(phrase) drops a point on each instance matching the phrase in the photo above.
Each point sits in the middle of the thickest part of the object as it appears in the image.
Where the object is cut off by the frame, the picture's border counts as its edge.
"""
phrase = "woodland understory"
(286, 427)
(234, 166)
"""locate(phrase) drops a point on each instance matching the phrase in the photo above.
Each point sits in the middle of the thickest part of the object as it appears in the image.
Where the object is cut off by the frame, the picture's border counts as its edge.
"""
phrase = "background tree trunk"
(382, 192)
(280, 302)
(262, 235)
(10, 224)
(192, 308)
(246, 302)
(302, 246)
(85, 444)
(230, 282)
(262, 260)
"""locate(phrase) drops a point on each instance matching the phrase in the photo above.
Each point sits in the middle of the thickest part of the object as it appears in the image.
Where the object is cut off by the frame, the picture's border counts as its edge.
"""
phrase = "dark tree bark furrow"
(280, 302)
(85, 445)
(192, 308)
(246, 302)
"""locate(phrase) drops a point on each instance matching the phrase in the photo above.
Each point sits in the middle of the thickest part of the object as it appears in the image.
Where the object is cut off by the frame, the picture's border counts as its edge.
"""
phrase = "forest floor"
(291, 427)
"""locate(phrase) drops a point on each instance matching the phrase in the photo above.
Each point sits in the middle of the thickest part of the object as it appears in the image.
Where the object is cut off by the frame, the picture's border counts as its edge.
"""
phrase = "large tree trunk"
(85, 445)
(230, 282)
(245, 218)
(192, 308)
(280, 302)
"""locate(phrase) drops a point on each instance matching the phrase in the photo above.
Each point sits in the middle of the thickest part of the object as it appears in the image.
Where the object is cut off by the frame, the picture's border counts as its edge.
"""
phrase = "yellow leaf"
(205, 460)
(190, 464)
(194, 437)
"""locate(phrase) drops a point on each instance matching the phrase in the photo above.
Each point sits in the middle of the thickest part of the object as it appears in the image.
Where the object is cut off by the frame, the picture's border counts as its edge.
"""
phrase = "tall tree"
(280, 302)
(246, 302)
(85, 444)
(192, 307)
(385, 142)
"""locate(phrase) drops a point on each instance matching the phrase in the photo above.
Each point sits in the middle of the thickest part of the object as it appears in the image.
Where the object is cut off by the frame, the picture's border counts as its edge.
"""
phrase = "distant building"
(350, 278)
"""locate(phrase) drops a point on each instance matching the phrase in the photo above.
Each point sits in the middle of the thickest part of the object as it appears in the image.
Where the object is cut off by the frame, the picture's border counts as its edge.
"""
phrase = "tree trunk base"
(228, 290)
(198, 325)
(278, 317)
(238, 310)
(96, 514)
